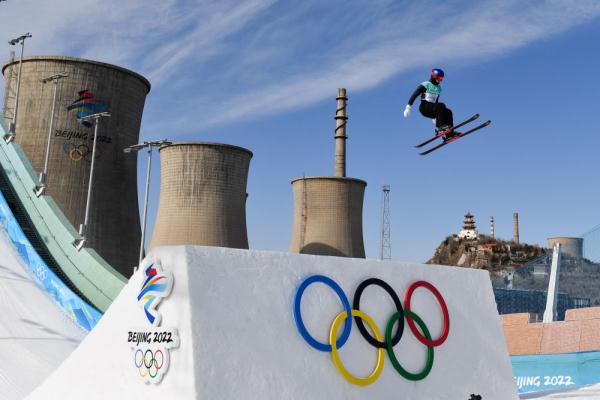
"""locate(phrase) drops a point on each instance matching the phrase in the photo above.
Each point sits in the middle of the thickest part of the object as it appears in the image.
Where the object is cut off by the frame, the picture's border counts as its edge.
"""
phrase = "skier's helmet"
(437, 74)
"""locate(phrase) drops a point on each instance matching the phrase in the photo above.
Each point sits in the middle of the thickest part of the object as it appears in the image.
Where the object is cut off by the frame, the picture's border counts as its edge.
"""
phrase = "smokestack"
(516, 227)
(328, 209)
(340, 134)
(492, 227)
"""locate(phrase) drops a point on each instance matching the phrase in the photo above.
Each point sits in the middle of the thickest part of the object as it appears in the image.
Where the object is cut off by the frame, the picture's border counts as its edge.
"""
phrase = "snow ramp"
(84, 272)
(41, 320)
(50, 294)
(216, 323)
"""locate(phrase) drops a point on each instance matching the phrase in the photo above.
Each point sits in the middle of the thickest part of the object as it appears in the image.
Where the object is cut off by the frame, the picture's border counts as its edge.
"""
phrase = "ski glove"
(407, 111)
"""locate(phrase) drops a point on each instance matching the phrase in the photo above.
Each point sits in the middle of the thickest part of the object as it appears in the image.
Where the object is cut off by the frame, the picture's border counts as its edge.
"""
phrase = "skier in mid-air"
(430, 106)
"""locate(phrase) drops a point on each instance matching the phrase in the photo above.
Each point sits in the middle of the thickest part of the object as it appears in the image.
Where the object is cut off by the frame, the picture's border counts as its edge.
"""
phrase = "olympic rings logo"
(78, 153)
(41, 273)
(422, 334)
(148, 362)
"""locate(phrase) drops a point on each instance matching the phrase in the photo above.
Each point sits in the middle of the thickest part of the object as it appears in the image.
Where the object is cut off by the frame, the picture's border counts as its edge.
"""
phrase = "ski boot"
(448, 135)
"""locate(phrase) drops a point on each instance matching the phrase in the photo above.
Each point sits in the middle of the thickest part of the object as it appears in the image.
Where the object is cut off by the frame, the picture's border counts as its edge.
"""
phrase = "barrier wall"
(93, 277)
(544, 372)
(579, 332)
(78, 310)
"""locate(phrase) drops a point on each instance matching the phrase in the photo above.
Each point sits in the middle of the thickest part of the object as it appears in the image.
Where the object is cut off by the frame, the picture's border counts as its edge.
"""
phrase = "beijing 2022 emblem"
(150, 345)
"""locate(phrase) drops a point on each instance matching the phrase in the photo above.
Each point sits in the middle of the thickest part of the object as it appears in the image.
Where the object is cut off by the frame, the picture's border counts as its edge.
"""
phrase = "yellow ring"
(336, 358)
(78, 151)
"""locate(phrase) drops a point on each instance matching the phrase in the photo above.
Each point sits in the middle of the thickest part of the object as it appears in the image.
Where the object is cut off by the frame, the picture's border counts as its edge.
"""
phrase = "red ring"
(411, 323)
(162, 359)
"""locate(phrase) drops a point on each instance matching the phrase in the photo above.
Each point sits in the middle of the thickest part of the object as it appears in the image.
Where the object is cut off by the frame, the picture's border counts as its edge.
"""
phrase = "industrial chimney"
(202, 195)
(516, 227)
(328, 210)
(340, 134)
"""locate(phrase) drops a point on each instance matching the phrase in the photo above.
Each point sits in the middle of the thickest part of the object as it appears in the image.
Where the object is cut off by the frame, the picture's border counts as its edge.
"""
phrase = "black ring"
(361, 326)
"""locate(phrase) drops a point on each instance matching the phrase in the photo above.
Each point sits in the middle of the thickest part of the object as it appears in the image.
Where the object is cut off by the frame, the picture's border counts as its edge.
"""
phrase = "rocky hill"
(578, 277)
(484, 253)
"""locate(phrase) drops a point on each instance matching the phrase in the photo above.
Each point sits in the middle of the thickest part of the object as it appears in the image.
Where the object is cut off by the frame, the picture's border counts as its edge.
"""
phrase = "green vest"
(432, 92)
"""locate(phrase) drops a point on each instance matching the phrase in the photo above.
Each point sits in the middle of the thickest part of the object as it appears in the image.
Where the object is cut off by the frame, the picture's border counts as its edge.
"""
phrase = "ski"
(445, 132)
(461, 135)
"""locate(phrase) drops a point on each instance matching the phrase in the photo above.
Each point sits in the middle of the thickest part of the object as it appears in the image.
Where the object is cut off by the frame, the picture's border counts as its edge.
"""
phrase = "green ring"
(390, 350)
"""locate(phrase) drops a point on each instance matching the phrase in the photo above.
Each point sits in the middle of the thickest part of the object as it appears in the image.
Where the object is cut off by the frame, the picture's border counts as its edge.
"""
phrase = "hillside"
(579, 278)
(484, 253)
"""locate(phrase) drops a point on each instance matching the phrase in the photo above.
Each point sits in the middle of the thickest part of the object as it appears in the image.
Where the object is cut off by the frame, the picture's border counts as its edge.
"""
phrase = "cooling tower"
(572, 246)
(328, 216)
(328, 210)
(114, 225)
(202, 195)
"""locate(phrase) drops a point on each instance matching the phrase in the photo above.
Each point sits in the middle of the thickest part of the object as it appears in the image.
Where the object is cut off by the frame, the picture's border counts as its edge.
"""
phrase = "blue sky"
(263, 74)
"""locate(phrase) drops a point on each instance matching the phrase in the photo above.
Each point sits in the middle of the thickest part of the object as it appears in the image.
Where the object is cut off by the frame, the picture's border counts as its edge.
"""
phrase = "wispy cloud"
(408, 40)
(217, 61)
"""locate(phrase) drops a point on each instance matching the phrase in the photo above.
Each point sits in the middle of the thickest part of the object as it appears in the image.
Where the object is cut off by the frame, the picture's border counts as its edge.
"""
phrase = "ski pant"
(439, 111)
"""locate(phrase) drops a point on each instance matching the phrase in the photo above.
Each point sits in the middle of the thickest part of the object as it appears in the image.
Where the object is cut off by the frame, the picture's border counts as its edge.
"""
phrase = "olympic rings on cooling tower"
(77, 153)
(381, 342)
(148, 362)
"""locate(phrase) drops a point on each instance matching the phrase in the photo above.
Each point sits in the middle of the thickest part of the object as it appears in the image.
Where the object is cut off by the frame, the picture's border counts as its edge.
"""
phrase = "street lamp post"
(41, 188)
(79, 243)
(135, 148)
(12, 129)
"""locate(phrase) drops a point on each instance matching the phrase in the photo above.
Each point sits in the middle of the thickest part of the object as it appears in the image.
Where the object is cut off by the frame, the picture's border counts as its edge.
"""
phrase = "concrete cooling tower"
(202, 195)
(328, 216)
(328, 210)
(572, 246)
(114, 225)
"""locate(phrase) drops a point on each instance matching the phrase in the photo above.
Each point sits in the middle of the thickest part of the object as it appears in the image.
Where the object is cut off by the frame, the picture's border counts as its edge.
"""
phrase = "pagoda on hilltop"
(469, 231)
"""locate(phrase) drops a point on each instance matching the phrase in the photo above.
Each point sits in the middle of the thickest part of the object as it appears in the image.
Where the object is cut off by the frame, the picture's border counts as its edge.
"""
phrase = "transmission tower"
(386, 245)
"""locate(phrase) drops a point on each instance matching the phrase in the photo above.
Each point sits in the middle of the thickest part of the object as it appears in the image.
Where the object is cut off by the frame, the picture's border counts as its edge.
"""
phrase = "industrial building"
(202, 195)
(511, 301)
(516, 227)
(328, 209)
(571, 246)
(114, 225)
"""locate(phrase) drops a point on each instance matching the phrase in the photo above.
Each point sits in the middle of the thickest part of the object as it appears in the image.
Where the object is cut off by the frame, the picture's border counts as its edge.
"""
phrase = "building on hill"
(482, 252)
(469, 231)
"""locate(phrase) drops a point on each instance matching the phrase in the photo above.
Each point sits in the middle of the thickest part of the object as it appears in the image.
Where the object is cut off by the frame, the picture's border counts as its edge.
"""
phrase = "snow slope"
(232, 312)
(35, 334)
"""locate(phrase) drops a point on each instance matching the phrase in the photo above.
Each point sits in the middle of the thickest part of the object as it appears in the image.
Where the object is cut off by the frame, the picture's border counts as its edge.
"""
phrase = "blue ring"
(298, 316)
(134, 358)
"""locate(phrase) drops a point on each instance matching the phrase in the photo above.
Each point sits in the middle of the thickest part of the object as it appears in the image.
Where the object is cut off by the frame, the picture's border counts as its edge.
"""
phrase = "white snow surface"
(233, 310)
(35, 334)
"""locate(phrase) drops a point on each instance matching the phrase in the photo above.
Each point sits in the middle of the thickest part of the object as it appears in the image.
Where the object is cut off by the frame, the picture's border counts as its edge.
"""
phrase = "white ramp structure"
(216, 323)
(35, 334)
(550, 312)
